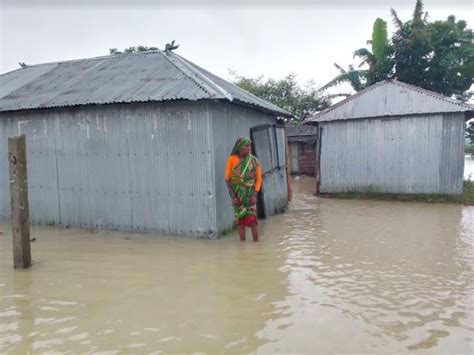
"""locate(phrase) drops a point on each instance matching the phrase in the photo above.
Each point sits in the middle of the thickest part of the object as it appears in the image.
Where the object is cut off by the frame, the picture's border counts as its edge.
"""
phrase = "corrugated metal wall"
(269, 143)
(229, 122)
(414, 154)
(143, 167)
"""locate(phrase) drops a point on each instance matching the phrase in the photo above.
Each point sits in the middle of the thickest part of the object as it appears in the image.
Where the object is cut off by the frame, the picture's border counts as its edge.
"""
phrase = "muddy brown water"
(329, 276)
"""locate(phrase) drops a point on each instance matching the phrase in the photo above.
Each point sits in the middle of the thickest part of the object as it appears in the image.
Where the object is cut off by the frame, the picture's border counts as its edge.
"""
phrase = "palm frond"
(366, 56)
(339, 68)
(333, 96)
(352, 76)
(396, 20)
(418, 12)
(425, 18)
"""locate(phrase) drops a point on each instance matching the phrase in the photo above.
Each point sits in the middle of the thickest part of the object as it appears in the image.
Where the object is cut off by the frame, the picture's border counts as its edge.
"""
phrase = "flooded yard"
(328, 276)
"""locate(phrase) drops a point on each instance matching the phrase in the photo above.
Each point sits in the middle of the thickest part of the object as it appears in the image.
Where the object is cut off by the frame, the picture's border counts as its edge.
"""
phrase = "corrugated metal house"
(135, 142)
(302, 140)
(392, 137)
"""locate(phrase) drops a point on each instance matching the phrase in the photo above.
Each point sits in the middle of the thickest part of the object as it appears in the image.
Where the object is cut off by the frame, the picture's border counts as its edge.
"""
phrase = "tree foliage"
(129, 50)
(441, 58)
(470, 132)
(437, 56)
(285, 93)
(377, 62)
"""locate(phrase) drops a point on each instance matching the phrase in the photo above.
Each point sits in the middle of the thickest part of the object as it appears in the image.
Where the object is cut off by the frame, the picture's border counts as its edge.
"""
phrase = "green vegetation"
(437, 56)
(378, 61)
(130, 50)
(286, 93)
(467, 198)
(470, 133)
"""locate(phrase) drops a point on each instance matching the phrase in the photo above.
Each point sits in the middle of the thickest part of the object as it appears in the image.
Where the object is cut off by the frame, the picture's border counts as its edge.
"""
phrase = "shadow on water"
(328, 276)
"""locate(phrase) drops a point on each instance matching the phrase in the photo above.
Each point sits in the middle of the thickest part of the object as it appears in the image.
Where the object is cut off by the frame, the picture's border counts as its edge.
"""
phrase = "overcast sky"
(269, 37)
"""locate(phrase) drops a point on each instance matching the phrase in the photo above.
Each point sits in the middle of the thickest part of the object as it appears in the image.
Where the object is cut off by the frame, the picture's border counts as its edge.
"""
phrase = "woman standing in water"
(243, 177)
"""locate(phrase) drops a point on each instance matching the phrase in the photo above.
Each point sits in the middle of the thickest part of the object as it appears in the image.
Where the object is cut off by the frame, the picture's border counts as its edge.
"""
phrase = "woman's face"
(245, 150)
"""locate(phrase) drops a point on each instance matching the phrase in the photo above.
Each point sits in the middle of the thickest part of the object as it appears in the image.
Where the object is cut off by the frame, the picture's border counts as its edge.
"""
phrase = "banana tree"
(375, 65)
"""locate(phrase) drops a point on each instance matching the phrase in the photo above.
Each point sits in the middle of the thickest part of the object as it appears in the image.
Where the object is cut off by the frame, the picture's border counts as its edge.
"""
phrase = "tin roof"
(124, 78)
(390, 98)
(302, 133)
(301, 130)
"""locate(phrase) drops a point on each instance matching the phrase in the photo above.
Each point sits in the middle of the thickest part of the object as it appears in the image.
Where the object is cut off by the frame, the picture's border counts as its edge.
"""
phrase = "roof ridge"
(202, 76)
(185, 80)
(248, 94)
(188, 75)
(342, 102)
(417, 89)
(102, 57)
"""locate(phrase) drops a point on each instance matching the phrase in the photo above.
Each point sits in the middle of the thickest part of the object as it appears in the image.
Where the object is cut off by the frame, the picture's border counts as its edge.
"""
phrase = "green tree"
(129, 50)
(411, 46)
(437, 56)
(377, 62)
(286, 93)
(451, 66)
(470, 132)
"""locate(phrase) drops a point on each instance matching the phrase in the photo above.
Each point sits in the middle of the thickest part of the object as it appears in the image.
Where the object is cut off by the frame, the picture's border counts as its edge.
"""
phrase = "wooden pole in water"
(19, 202)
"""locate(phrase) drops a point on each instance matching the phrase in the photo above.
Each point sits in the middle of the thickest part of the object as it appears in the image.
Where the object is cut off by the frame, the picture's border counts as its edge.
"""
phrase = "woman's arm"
(258, 183)
(227, 172)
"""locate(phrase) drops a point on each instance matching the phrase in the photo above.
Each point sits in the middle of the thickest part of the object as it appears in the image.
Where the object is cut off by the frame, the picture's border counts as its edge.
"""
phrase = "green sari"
(242, 181)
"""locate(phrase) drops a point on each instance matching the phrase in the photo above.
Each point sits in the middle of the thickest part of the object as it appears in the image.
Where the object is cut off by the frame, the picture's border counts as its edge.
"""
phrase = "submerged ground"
(330, 276)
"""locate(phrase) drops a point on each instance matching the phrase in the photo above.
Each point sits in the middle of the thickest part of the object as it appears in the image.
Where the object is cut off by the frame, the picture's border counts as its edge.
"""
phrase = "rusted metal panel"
(302, 133)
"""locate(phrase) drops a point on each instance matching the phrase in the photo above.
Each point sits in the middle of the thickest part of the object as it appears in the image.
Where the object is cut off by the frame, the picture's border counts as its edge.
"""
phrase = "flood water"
(328, 276)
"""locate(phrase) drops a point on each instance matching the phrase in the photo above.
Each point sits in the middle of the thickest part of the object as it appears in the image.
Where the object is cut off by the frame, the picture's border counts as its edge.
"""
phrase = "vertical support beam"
(318, 159)
(19, 202)
(288, 167)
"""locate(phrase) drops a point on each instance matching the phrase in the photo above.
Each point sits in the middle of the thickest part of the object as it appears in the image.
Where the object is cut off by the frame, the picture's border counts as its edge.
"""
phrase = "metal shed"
(134, 142)
(302, 140)
(394, 138)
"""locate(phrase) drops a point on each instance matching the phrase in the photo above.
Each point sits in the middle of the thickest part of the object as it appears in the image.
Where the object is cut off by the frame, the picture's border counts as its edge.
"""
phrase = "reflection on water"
(328, 276)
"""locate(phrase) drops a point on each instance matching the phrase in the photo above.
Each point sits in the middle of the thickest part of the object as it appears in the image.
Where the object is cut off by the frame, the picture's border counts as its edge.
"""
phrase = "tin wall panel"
(228, 123)
(141, 167)
(4, 171)
(395, 155)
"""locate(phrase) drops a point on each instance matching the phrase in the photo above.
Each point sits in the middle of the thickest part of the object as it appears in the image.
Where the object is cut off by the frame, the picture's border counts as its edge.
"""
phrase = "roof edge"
(433, 94)
(381, 117)
(175, 57)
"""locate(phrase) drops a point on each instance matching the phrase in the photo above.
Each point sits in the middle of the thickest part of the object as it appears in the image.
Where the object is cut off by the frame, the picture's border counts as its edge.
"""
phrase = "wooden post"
(19, 202)
(318, 159)
(288, 167)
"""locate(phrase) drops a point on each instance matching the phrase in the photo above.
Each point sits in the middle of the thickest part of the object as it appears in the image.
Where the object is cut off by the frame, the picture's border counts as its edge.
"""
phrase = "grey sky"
(272, 38)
